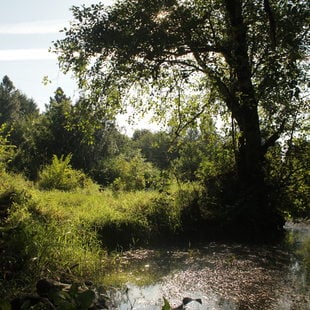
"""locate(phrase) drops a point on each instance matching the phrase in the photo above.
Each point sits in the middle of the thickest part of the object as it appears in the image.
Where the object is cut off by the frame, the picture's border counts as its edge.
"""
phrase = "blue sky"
(27, 29)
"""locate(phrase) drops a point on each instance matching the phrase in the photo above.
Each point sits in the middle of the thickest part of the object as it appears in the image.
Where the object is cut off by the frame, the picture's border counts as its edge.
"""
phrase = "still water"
(223, 276)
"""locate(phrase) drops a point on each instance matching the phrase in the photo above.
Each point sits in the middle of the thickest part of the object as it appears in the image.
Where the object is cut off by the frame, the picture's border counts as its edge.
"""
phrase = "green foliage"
(119, 218)
(290, 177)
(222, 49)
(62, 129)
(37, 241)
(52, 234)
(6, 149)
(105, 171)
(14, 105)
(134, 174)
(219, 163)
(166, 305)
(296, 178)
(51, 294)
(203, 153)
(27, 136)
(163, 217)
(68, 298)
(9, 103)
(155, 147)
(13, 189)
(58, 140)
(60, 175)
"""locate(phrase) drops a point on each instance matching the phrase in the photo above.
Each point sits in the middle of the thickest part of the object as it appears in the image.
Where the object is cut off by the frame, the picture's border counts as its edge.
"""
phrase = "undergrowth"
(67, 235)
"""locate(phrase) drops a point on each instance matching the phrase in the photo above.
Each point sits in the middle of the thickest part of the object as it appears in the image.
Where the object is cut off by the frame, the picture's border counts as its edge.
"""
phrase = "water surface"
(224, 276)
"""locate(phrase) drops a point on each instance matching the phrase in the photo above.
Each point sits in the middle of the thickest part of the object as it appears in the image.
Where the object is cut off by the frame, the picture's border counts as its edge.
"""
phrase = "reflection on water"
(224, 276)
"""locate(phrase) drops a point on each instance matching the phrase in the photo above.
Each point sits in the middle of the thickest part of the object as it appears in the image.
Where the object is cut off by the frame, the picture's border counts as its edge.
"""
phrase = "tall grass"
(67, 235)
(39, 239)
(119, 219)
(39, 247)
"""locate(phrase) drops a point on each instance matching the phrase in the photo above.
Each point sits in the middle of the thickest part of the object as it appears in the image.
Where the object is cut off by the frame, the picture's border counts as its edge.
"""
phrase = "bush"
(6, 149)
(60, 175)
(163, 216)
(135, 174)
(105, 171)
(289, 176)
(13, 189)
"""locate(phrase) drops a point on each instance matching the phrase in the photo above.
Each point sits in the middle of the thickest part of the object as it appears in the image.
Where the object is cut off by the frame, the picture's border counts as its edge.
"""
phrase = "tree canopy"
(13, 103)
(250, 55)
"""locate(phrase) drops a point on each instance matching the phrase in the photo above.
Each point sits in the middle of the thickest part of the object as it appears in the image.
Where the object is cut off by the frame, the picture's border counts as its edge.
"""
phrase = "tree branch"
(273, 138)
(272, 23)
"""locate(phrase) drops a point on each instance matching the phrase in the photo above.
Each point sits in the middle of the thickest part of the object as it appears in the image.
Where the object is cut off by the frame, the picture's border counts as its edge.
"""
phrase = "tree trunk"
(244, 105)
(249, 156)
(256, 213)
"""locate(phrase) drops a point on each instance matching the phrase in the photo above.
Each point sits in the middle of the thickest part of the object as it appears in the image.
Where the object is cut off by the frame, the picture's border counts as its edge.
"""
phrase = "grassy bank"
(69, 235)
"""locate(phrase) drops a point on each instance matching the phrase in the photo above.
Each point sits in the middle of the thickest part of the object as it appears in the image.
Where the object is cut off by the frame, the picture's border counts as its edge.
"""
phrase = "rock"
(46, 286)
(27, 302)
(50, 296)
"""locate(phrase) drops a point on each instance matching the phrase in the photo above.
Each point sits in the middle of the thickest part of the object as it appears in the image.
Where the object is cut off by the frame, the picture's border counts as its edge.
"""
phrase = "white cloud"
(25, 54)
(48, 26)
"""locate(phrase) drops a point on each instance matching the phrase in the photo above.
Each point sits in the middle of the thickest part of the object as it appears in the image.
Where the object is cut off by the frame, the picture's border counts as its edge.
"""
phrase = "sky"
(27, 29)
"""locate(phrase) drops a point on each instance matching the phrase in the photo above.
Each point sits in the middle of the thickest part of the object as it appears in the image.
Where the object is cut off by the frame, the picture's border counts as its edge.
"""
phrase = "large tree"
(249, 55)
(14, 105)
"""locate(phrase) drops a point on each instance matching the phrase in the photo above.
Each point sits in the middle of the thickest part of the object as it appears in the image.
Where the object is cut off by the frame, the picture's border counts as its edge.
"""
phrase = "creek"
(224, 276)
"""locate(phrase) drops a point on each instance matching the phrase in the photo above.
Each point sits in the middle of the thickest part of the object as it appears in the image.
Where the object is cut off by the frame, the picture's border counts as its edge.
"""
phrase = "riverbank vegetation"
(65, 226)
(231, 161)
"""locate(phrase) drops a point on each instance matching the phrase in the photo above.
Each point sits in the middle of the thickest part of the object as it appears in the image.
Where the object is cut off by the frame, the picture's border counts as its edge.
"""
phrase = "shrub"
(60, 175)
(105, 171)
(289, 177)
(135, 174)
(6, 149)
(163, 216)
(13, 189)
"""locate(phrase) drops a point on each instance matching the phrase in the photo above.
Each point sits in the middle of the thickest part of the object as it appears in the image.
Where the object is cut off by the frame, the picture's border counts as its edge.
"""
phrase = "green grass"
(118, 219)
(73, 235)
(93, 208)
(67, 234)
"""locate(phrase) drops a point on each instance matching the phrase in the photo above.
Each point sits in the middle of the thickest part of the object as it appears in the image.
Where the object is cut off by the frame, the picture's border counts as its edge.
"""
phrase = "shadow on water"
(224, 276)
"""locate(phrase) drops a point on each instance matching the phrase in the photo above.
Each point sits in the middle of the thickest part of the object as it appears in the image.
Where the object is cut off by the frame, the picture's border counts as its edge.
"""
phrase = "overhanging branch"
(273, 138)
